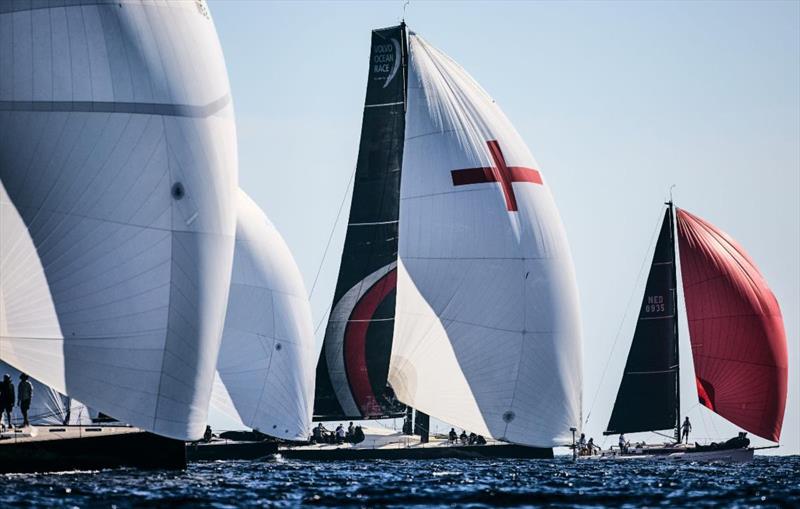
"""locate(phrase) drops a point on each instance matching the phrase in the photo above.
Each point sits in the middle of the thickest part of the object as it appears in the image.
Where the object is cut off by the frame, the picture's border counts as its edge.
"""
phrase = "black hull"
(230, 451)
(418, 453)
(136, 450)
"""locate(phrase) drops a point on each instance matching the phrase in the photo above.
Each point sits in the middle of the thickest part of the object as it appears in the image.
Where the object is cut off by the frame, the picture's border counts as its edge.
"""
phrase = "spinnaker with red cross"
(456, 294)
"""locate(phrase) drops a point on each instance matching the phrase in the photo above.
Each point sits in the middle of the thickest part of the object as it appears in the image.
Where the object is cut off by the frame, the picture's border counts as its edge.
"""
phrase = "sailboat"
(265, 371)
(737, 337)
(456, 294)
(118, 174)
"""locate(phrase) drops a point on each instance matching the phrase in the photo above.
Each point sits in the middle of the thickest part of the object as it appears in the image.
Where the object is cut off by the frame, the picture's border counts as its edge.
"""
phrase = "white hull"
(686, 455)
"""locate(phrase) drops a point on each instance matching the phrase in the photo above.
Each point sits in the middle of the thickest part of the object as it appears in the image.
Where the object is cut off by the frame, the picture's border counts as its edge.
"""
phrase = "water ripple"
(766, 482)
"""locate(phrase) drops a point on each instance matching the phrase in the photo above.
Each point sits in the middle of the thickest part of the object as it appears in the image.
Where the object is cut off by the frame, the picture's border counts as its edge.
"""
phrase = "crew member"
(453, 436)
(25, 393)
(623, 444)
(7, 398)
(686, 427)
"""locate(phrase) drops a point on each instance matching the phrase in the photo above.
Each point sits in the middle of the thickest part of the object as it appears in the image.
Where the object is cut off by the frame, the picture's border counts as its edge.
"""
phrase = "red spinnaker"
(736, 329)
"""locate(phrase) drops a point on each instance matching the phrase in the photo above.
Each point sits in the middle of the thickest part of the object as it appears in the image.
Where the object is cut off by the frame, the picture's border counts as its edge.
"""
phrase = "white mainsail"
(266, 360)
(118, 156)
(487, 331)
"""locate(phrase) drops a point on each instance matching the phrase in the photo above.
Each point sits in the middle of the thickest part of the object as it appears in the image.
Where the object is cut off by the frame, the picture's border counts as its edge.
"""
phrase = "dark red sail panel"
(736, 329)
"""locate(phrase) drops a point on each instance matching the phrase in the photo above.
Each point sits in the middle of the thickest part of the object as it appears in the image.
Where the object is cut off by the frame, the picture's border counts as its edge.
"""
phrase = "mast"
(675, 323)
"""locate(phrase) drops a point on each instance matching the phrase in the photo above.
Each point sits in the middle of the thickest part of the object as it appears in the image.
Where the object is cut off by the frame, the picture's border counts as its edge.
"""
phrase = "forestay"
(487, 333)
(118, 156)
(736, 329)
(266, 361)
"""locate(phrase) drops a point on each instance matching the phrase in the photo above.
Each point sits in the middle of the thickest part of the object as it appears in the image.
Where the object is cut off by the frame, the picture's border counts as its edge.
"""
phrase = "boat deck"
(31, 434)
(387, 444)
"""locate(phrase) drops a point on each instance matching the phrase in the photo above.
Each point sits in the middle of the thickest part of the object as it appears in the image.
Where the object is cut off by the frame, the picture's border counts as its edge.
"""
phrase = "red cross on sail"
(500, 172)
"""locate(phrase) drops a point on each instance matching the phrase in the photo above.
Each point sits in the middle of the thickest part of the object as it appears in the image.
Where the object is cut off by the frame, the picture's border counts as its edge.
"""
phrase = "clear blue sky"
(617, 101)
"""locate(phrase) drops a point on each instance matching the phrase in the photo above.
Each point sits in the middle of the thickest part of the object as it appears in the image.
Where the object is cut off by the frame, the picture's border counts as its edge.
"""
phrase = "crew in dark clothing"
(319, 434)
(25, 393)
(472, 438)
(350, 430)
(7, 398)
(453, 435)
(480, 440)
(208, 435)
(686, 427)
(463, 437)
(358, 435)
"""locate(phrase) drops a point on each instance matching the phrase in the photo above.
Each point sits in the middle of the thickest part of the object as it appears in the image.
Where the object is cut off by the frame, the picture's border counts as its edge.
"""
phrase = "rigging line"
(625, 314)
(324, 316)
(330, 237)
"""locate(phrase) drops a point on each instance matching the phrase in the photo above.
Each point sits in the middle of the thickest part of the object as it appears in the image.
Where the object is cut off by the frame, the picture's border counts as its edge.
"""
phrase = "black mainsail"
(354, 363)
(648, 397)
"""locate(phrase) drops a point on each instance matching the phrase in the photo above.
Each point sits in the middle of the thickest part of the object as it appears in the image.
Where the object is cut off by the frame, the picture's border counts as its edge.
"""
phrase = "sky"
(618, 101)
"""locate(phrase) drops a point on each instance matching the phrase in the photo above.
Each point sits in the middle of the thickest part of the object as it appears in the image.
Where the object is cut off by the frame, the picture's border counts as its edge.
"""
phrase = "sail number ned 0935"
(655, 304)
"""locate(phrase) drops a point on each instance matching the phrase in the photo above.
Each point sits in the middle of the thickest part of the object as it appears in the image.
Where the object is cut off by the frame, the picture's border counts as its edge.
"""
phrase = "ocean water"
(766, 482)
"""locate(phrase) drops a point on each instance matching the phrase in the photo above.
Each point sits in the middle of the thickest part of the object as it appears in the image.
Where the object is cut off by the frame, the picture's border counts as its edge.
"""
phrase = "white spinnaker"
(48, 406)
(267, 358)
(487, 331)
(118, 155)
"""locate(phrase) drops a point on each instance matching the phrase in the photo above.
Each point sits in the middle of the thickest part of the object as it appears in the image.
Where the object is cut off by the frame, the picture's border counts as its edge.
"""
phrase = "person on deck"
(358, 435)
(453, 436)
(25, 393)
(582, 443)
(208, 434)
(318, 434)
(590, 446)
(350, 430)
(686, 428)
(463, 437)
(340, 434)
(7, 399)
(623, 444)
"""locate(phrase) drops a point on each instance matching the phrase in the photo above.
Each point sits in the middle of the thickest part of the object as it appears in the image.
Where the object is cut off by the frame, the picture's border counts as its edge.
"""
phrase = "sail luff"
(676, 328)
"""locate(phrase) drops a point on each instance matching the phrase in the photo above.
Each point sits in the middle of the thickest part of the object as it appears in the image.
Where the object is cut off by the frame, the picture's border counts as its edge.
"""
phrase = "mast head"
(670, 196)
